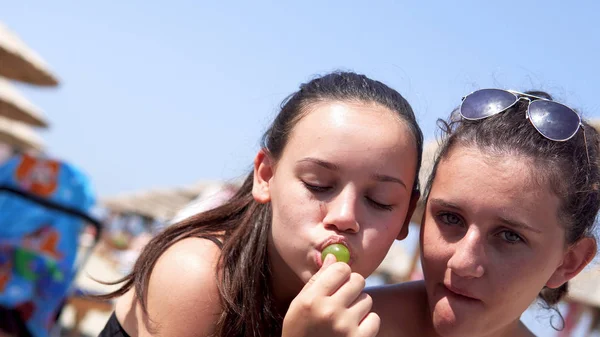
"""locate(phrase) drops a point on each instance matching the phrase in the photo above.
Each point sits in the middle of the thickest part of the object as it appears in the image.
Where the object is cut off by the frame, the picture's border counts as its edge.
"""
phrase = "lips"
(330, 241)
(461, 293)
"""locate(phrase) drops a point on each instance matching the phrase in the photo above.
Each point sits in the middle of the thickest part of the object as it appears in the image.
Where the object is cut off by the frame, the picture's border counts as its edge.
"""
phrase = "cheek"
(525, 274)
(293, 206)
(373, 247)
(436, 251)
(515, 289)
(378, 240)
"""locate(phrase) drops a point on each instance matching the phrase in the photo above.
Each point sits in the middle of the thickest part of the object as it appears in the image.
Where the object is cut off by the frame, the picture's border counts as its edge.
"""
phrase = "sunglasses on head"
(552, 120)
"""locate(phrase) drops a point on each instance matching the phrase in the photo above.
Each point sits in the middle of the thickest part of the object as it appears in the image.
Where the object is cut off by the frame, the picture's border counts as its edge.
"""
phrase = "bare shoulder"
(183, 298)
(402, 308)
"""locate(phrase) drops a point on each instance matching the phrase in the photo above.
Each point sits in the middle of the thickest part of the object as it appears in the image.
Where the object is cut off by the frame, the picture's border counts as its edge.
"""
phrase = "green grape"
(341, 252)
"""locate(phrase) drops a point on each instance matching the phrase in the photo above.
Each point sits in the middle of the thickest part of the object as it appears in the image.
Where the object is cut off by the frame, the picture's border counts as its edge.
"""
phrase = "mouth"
(460, 294)
(334, 239)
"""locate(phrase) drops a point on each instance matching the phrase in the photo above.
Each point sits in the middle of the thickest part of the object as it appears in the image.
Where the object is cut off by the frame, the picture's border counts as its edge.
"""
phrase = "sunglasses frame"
(530, 99)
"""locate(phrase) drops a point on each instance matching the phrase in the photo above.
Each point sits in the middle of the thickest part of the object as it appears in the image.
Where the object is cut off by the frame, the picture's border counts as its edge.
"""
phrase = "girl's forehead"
(477, 165)
(338, 112)
(498, 186)
(473, 173)
(335, 123)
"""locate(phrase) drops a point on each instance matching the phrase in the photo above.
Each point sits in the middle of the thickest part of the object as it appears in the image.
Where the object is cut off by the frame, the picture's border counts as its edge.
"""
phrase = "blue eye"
(450, 219)
(510, 237)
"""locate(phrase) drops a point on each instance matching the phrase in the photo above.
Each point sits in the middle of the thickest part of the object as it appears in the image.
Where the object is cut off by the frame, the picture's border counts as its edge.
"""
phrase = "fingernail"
(329, 259)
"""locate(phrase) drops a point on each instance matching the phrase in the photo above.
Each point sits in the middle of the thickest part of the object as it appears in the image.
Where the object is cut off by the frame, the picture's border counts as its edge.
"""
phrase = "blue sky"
(156, 94)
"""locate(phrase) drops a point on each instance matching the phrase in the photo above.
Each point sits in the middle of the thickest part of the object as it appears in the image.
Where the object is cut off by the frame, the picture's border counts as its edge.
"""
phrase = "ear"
(414, 199)
(263, 172)
(575, 259)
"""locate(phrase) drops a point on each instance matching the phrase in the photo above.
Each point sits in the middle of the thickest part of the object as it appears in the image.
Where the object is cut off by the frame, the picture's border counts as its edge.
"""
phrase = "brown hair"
(570, 167)
(244, 224)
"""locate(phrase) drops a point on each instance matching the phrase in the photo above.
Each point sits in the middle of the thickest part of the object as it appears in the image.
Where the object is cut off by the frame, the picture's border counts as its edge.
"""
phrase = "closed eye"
(379, 205)
(316, 188)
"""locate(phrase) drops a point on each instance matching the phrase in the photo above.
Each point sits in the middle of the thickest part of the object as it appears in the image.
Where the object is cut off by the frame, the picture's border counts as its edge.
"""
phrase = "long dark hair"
(243, 224)
(569, 167)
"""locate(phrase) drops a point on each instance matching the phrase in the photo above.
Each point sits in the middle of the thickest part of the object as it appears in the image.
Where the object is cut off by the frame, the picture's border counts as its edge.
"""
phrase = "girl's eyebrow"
(333, 167)
(444, 203)
(517, 224)
(320, 162)
(385, 178)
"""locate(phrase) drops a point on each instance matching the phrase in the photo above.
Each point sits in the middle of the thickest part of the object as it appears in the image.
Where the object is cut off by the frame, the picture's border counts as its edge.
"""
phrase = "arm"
(183, 298)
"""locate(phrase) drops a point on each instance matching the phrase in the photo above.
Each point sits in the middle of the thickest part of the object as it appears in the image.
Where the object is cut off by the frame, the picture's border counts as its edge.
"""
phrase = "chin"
(451, 329)
(305, 276)
(447, 324)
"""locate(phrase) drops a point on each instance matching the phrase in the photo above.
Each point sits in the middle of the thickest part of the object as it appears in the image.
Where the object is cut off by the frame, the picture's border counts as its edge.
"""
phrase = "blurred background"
(156, 109)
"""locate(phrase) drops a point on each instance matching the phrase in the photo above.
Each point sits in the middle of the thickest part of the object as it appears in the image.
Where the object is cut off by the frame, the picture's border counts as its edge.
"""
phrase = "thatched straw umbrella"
(16, 107)
(19, 135)
(19, 62)
(159, 204)
(155, 204)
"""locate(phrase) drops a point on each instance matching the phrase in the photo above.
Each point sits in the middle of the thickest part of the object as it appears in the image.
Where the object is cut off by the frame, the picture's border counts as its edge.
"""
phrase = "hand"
(332, 304)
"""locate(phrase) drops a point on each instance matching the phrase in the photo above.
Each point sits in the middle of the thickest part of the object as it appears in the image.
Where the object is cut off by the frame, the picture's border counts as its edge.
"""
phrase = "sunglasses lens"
(486, 102)
(553, 120)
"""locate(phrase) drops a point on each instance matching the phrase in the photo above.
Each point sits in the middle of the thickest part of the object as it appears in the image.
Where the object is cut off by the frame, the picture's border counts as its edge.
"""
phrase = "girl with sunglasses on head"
(337, 170)
(509, 216)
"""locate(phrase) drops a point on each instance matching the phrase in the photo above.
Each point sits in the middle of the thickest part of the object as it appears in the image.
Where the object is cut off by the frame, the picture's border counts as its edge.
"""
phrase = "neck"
(514, 329)
(285, 284)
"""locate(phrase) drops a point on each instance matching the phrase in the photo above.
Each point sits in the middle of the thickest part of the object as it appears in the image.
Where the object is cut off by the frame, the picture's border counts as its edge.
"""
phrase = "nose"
(469, 256)
(341, 211)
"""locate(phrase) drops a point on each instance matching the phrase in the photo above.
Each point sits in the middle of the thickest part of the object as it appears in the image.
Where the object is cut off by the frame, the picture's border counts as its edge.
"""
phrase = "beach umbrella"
(19, 135)
(21, 63)
(155, 204)
(161, 204)
(16, 107)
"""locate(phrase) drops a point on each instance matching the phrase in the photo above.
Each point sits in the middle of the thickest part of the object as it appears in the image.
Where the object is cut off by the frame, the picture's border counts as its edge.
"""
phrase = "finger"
(360, 308)
(351, 290)
(369, 327)
(331, 279)
(329, 260)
